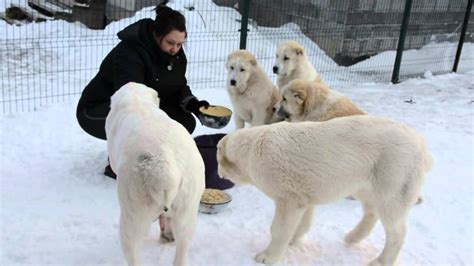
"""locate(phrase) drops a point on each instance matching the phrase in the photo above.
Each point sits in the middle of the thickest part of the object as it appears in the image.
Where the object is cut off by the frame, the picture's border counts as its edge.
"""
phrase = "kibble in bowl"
(214, 201)
(215, 116)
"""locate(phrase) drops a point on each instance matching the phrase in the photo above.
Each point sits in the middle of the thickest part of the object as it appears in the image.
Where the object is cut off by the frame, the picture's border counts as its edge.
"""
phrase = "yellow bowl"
(215, 116)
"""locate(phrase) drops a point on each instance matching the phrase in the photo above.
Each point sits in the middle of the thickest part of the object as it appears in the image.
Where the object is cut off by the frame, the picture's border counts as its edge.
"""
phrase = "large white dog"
(292, 63)
(251, 92)
(380, 162)
(159, 170)
(314, 101)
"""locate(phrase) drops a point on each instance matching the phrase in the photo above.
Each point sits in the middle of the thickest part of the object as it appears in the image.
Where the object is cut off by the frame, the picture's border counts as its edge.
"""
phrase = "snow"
(57, 208)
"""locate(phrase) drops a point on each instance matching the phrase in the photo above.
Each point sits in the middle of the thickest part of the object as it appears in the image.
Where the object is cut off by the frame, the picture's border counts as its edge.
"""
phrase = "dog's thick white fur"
(251, 92)
(292, 63)
(159, 170)
(380, 162)
(313, 101)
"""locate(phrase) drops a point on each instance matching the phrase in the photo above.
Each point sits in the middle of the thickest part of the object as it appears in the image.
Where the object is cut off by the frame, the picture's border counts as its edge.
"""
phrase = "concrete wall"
(118, 9)
(349, 30)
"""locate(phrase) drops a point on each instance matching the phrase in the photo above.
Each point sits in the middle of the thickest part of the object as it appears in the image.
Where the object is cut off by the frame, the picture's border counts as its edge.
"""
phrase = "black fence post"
(244, 4)
(401, 41)
(463, 34)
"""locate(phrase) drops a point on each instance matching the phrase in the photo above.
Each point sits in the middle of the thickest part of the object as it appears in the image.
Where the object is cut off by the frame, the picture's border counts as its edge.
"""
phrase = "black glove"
(194, 105)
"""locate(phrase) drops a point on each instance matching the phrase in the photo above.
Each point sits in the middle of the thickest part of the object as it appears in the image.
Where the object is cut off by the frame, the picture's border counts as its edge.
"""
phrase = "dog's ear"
(253, 61)
(299, 91)
(299, 98)
(157, 100)
(229, 58)
(153, 93)
(154, 96)
(299, 50)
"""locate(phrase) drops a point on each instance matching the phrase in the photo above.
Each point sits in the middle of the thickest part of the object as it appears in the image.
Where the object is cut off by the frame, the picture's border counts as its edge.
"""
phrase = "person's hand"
(194, 105)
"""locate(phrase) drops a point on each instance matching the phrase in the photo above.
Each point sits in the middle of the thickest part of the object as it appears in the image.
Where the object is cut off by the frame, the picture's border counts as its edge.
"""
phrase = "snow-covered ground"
(56, 207)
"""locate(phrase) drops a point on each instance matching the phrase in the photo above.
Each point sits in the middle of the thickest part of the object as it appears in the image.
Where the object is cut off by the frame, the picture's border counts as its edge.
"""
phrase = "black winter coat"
(138, 58)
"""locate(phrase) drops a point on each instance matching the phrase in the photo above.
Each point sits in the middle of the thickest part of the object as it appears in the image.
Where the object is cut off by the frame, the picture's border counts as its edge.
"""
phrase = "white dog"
(314, 101)
(292, 63)
(299, 165)
(251, 92)
(159, 170)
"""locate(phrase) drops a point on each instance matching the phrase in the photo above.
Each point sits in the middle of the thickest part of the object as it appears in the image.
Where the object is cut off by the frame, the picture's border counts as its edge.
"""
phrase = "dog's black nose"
(275, 70)
(233, 82)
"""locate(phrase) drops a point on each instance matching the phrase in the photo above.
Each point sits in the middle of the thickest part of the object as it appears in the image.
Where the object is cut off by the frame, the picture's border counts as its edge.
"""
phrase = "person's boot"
(109, 172)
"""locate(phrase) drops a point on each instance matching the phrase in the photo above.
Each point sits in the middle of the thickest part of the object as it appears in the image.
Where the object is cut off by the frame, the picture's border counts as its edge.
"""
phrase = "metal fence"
(50, 56)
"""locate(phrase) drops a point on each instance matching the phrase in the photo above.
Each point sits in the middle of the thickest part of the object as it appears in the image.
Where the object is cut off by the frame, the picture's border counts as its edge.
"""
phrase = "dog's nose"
(275, 70)
(233, 82)
(281, 113)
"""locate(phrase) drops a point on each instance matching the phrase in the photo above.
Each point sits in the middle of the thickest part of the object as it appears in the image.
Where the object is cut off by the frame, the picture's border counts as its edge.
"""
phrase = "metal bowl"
(214, 204)
(214, 116)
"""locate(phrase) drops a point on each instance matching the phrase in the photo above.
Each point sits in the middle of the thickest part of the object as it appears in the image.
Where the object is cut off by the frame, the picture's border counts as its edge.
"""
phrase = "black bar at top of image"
(401, 41)
(245, 21)
(463, 34)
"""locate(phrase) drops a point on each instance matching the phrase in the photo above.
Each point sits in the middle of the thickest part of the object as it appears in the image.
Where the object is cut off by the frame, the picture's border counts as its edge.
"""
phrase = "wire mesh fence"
(49, 50)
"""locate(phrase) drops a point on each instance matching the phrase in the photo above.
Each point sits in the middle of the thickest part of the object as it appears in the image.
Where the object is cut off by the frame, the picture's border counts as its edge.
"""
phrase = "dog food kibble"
(213, 196)
(216, 111)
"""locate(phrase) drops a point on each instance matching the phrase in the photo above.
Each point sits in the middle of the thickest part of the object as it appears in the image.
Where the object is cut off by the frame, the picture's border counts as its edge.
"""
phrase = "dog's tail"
(160, 179)
(428, 162)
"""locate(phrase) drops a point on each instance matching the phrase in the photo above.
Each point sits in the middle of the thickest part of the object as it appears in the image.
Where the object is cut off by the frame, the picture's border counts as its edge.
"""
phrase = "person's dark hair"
(168, 20)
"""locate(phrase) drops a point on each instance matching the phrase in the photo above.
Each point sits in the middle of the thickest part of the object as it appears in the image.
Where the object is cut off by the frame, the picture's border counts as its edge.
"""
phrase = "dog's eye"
(285, 58)
(242, 69)
(231, 68)
(284, 99)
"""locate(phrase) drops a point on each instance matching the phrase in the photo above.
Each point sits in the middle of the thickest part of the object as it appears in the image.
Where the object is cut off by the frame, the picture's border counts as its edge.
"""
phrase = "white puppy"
(380, 162)
(292, 63)
(251, 92)
(314, 101)
(159, 170)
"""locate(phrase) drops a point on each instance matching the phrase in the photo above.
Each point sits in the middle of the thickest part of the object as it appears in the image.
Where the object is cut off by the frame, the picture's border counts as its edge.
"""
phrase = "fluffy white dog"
(159, 170)
(314, 101)
(251, 92)
(292, 63)
(380, 162)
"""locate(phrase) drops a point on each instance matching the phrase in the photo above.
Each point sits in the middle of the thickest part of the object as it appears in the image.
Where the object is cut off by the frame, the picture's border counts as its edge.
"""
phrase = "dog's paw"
(266, 258)
(297, 241)
(166, 237)
(375, 262)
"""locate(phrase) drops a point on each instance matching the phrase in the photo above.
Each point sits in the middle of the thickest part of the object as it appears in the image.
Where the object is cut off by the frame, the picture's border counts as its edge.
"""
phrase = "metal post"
(244, 4)
(401, 41)
(463, 34)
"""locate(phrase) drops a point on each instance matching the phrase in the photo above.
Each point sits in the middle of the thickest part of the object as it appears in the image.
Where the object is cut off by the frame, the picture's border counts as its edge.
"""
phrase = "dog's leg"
(304, 225)
(287, 218)
(397, 200)
(133, 228)
(393, 215)
(183, 228)
(395, 232)
(239, 122)
(259, 118)
(365, 226)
